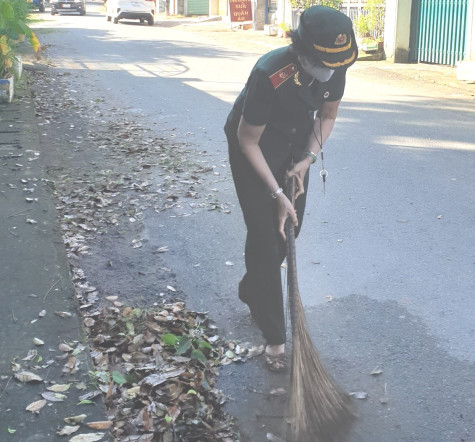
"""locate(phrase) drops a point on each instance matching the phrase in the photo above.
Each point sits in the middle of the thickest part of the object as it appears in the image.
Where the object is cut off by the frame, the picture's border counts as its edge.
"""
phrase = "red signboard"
(240, 11)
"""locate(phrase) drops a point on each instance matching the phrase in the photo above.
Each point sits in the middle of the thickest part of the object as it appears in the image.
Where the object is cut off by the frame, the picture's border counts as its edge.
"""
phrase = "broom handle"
(292, 283)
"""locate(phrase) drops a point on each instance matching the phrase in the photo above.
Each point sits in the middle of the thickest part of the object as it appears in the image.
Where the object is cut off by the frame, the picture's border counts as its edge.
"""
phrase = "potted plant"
(6, 70)
(284, 30)
(13, 29)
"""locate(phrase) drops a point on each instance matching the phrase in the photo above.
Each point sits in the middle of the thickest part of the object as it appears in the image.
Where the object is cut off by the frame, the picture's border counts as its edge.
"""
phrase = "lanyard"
(323, 171)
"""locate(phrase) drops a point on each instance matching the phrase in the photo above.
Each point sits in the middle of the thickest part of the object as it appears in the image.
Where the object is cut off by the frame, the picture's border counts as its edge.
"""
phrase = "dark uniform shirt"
(278, 94)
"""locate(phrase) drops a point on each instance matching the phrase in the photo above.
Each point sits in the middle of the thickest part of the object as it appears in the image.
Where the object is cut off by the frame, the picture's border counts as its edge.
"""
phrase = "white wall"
(470, 43)
(397, 30)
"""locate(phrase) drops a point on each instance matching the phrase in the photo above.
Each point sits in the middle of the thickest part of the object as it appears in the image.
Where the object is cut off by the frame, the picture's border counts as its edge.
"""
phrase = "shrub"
(13, 29)
(370, 21)
(305, 4)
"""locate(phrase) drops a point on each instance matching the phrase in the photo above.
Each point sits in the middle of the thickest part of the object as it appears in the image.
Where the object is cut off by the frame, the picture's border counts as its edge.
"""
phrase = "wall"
(213, 7)
(259, 14)
(466, 68)
(470, 45)
(397, 26)
(223, 9)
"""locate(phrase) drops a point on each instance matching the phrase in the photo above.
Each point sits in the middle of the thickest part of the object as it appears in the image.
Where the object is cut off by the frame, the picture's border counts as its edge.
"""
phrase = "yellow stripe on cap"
(340, 63)
(333, 50)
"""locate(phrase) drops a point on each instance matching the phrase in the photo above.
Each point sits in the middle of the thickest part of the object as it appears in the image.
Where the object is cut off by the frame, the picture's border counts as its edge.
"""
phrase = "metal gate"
(440, 37)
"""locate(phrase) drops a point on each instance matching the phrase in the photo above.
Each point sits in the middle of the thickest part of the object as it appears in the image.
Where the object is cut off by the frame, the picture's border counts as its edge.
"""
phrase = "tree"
(370, 22)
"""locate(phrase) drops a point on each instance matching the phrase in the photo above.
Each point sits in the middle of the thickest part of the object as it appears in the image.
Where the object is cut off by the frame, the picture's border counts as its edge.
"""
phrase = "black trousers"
(261, 286)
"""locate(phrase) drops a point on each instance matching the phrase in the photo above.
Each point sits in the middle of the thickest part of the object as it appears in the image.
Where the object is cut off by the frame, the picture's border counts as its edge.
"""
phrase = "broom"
(318, 409)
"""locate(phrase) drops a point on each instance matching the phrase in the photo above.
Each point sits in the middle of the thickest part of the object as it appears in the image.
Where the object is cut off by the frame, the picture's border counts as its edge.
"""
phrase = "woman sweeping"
(273, 134)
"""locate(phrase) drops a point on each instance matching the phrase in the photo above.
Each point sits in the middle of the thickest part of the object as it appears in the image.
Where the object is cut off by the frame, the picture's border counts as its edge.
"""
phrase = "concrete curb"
(37, 297)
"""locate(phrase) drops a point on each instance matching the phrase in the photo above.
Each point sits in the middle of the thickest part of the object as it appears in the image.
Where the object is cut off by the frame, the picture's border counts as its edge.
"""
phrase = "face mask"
(322, 74)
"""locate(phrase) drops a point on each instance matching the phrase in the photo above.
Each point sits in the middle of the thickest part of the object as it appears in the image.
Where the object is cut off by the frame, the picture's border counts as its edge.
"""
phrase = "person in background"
(275, 130)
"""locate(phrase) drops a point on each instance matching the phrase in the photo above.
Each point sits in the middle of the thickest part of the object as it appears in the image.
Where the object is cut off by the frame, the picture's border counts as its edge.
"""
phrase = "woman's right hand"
(285, 210)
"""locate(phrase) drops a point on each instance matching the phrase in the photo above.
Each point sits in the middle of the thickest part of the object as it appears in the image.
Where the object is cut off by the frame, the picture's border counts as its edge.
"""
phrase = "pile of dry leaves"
(156, 370)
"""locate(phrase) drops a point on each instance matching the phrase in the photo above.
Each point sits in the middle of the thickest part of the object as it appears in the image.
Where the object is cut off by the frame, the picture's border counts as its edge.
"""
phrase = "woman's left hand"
(298, 170)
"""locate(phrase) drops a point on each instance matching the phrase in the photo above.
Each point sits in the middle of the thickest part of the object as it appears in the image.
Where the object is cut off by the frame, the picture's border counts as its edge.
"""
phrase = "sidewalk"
(44, 359)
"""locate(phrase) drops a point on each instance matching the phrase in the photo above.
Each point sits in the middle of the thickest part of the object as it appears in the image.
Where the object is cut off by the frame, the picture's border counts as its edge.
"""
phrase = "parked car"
(152, 4)
(37, 4)
(130, 9)
(58, 6)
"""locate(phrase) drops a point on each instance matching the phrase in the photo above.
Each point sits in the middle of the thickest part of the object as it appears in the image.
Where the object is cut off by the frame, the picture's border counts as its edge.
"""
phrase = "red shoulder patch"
(282, 75)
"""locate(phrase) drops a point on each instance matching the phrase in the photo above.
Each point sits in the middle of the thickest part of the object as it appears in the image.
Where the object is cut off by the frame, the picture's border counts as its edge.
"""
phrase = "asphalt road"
(386, 257)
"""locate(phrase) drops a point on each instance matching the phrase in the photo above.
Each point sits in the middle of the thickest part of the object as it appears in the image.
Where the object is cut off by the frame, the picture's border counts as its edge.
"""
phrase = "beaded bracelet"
(311, 155)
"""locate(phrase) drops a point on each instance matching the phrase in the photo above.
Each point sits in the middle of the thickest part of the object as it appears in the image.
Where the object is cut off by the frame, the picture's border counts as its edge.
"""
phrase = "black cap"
(327, 35)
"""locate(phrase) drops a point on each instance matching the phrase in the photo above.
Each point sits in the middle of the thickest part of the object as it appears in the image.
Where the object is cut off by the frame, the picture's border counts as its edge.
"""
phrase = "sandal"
(276, 363)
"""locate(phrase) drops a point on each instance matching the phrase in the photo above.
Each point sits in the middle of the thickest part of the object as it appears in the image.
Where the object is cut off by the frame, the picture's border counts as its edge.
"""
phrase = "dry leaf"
(359, 394)
(75, 419)
(136, 243)
(81, 386)
(15, 367)
(174, 412)
(88, 437)
(31, 355)
(65, 315)
(72, 365)
(156, 379)
(54, 397)
(36, 406)
(110, 391)
(67, 430)
(278, 391)
(71, 362)
(132, 392)
(28, 376)
(377, 370)
(59, 388)
(90, 395)
(255, 351)
(89, 322)
(65, 347)
(100, 425)
(385, 398)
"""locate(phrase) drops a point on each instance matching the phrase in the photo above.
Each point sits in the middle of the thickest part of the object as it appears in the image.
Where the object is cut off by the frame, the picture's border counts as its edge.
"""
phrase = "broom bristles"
(319, 410)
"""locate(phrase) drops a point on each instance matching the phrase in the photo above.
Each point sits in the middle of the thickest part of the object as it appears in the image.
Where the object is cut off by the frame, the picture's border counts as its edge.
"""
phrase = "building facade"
(428, 31)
